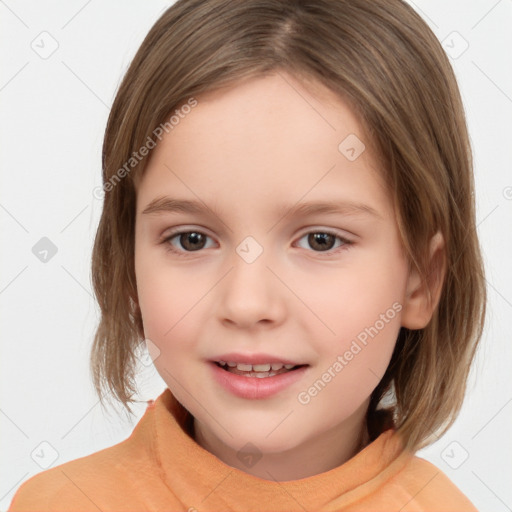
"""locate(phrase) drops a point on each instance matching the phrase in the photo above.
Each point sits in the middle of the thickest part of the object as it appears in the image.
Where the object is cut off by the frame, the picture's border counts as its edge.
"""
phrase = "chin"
(275, 442)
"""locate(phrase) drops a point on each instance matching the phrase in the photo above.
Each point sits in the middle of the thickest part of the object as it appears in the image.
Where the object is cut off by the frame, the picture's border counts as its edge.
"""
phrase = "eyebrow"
(162, 205)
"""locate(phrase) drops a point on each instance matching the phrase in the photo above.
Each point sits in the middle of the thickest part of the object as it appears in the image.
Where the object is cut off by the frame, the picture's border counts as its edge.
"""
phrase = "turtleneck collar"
(202, 480)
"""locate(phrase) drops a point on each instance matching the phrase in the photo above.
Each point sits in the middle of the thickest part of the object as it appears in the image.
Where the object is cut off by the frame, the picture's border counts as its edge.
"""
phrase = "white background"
(53, 115)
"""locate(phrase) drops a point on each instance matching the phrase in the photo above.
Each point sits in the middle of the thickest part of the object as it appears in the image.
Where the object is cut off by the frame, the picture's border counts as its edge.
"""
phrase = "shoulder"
(424, 486)
(77, 484)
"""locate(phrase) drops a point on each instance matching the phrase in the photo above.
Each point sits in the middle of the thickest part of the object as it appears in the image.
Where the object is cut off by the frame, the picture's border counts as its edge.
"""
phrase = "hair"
(381, 58)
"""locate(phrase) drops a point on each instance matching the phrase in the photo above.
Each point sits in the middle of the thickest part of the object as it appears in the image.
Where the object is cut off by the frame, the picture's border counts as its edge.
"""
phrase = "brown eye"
(321, 241)
(324, 241)
(186, 241)
(192, 241)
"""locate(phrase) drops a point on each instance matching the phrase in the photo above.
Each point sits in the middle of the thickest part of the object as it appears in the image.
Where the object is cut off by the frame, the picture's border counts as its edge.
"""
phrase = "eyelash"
(345, 242)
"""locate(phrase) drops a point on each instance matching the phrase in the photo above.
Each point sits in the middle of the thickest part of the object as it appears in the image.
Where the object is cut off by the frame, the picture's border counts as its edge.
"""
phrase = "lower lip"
(254, 387)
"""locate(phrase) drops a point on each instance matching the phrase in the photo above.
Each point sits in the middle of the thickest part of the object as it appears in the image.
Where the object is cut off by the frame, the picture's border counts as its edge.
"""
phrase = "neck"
(315, 456)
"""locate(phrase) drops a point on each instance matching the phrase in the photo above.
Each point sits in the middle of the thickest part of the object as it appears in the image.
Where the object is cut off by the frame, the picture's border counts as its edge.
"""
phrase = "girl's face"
(256, 277)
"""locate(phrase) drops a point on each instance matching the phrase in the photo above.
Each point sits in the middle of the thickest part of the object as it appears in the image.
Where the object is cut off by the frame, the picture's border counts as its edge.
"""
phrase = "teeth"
(272, 367)
(261, 367)
(263, 375)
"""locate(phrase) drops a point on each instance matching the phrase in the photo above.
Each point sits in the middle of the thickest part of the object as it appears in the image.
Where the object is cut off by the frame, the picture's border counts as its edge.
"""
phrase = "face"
(252, 276)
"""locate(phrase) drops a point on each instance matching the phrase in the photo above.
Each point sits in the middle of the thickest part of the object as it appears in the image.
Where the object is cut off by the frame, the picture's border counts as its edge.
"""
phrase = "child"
(325, 330)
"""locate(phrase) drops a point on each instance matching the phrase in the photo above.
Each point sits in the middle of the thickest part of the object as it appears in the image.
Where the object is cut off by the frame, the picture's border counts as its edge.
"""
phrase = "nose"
(251, 294)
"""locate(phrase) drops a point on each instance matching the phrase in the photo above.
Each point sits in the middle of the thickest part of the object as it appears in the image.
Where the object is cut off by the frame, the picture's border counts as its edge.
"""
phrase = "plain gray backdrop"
(61, 65)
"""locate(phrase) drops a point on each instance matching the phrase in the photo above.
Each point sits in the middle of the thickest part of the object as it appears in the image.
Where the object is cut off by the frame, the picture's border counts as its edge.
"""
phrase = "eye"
(190, 241)
(323, 241)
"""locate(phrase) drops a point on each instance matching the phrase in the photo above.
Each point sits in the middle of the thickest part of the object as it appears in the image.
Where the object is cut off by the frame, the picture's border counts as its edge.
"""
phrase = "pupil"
(194, 238)
(321, 240)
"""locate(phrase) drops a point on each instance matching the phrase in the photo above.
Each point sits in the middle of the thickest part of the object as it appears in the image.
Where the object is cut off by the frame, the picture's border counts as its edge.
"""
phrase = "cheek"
(353, 362)
(167, 308)
(167, 301)
(360, 307)
(355, 298)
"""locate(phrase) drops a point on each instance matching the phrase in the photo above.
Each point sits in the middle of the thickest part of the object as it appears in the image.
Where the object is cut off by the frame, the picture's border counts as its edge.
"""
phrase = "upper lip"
(254, 359)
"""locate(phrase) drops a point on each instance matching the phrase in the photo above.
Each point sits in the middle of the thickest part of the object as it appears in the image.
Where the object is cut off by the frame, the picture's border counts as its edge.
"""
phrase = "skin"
(245, 151)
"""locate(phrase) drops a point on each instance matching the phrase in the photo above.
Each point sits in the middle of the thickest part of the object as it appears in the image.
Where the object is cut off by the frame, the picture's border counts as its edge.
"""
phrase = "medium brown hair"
(383, 60)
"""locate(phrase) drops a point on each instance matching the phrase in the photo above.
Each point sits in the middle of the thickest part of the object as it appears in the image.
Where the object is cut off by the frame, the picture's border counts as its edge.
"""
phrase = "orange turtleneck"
(160, 467)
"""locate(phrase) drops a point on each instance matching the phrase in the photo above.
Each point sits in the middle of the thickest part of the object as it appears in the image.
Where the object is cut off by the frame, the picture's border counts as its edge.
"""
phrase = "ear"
(422, 298)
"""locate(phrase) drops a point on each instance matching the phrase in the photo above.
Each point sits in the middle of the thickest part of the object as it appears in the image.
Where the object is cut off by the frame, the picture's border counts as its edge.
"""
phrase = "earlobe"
(422, 298)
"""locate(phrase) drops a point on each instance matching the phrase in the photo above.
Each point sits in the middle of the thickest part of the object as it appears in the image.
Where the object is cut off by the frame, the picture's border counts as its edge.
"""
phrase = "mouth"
(256, 376)
(259, 371)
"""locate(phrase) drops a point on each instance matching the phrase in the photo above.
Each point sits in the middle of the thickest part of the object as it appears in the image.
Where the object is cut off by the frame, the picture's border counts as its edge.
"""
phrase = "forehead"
(304, 108)
(265, 136)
